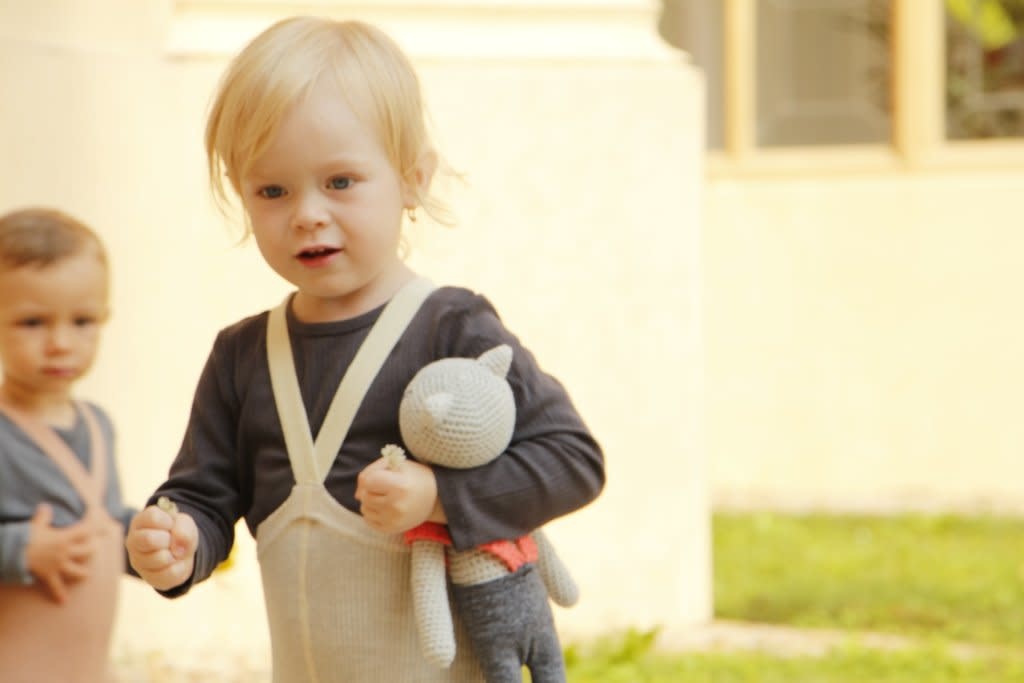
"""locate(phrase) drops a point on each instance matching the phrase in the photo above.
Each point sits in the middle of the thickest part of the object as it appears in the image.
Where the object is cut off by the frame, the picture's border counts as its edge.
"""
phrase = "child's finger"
(78, 533)
(72, 572)
(376, 480)
(151, 562)
(147, 540)
(81, 550)
(184, 536)
(161, 571)
(54, 585)
(371, 516)
(43, 515)
(152, 517)
(171, 576)
(75, 569)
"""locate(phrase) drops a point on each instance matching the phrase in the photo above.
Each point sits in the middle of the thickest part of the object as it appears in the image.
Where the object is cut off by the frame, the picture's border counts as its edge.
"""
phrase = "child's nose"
(60, 338)
(311, 213)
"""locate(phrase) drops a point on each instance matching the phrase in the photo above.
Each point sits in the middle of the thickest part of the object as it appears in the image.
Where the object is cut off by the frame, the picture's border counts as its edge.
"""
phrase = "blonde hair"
(276, 70)
(42, 236)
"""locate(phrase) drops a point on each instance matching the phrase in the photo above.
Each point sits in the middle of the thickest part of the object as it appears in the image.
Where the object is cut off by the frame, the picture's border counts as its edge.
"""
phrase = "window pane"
(695, 26)
(823, 72)
(984, 69)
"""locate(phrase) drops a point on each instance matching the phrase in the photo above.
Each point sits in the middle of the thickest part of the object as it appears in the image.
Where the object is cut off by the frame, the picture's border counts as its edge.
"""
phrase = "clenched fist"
(162, 546)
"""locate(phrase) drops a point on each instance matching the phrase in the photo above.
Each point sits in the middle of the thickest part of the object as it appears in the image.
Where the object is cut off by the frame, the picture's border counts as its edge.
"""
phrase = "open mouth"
(317, 253)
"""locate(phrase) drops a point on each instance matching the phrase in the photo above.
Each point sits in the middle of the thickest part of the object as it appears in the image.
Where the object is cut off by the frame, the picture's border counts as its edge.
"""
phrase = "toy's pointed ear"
(438, 406)
(498, 360)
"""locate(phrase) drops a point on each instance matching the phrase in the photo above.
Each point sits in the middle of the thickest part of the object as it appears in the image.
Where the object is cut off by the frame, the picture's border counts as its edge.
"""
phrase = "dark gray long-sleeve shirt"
(233, 464)
(28, 477)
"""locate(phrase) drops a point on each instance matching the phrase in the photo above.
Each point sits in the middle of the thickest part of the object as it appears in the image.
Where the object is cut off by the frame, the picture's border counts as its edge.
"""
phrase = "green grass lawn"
(947, 577)
(935, 579)
(845, 665)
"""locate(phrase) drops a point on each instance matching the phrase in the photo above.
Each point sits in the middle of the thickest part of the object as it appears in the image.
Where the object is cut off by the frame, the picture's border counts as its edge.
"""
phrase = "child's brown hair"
(42, 236)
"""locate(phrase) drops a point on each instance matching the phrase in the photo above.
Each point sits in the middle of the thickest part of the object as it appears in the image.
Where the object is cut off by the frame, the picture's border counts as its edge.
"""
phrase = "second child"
(62, 520)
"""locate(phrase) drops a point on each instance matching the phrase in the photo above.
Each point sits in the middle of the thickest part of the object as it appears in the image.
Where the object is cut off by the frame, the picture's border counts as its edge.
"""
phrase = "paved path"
(162, 668)
(718, 636)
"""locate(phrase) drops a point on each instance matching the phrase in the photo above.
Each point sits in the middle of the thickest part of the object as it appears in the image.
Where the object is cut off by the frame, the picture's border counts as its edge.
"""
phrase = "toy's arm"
(561, 587)
(430, 603)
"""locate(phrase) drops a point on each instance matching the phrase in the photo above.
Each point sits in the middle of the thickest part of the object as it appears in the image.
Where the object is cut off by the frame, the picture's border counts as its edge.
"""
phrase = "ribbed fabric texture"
(337, 593)
(339, 602)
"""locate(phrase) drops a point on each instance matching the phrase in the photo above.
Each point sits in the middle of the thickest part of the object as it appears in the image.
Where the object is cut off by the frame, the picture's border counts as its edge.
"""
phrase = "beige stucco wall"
(863, 339)
(580, 218)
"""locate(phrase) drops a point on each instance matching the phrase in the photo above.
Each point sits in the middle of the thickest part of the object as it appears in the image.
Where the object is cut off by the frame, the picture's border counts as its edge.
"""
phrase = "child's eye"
(30, 322)
(339, 183)
(271, 192)
(85, 321)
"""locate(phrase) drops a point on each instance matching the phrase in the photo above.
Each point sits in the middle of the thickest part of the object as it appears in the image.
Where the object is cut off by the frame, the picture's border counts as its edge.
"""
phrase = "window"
(984, 69)
(822, 72)
(853, 82)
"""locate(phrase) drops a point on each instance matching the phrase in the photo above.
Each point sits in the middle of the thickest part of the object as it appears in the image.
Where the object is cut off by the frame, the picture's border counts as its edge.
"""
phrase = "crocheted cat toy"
(460, 413)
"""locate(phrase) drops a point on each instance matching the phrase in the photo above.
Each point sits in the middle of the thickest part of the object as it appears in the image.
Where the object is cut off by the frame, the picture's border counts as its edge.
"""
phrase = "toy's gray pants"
(510, 624)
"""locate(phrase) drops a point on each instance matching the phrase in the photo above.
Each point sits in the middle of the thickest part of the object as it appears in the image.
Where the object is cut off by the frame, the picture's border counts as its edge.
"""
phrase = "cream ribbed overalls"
(40, 640)
(338, 593)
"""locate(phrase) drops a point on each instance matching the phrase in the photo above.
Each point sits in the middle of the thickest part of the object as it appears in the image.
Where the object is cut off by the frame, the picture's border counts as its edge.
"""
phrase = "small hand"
(396, 500)
(58, 556)
(161, 546)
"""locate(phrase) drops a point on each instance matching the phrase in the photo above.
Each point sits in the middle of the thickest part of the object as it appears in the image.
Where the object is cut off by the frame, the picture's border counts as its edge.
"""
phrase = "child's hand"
(396, 500)
(162, 546)
(58, 556)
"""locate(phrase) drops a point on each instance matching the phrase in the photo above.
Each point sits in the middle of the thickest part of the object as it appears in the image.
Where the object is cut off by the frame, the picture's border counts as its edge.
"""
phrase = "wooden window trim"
(918, 125)
(919, 68)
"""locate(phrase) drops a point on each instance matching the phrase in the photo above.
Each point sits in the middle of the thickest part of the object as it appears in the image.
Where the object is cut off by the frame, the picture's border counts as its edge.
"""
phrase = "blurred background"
(772, 247)
(861, 247)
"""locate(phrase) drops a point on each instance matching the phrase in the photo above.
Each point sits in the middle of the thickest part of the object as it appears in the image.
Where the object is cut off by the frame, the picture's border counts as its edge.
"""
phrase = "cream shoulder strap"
(360, 374)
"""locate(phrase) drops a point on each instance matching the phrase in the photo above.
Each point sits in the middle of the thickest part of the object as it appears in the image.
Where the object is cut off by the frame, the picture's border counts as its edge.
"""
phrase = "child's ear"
(419, 178)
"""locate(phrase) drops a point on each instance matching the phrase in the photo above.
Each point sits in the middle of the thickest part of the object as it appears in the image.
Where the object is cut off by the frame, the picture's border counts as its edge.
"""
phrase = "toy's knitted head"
(459, 412)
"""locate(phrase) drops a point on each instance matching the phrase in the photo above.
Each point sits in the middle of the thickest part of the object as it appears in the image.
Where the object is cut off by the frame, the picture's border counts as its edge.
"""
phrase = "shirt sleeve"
(203, 480)
(13, 563)
(553, 465)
